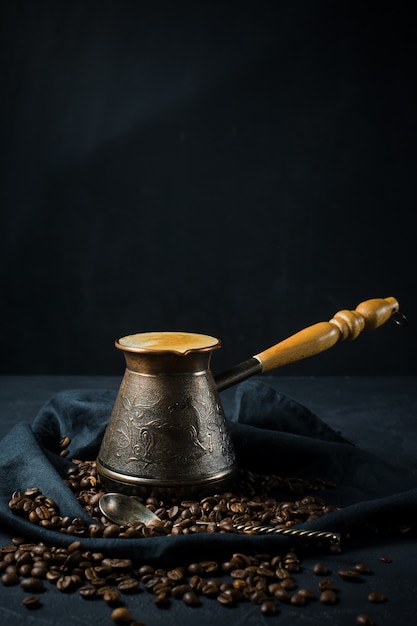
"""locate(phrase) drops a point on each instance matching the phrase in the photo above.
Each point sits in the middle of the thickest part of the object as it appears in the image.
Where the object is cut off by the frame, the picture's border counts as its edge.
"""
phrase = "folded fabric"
(271, 433)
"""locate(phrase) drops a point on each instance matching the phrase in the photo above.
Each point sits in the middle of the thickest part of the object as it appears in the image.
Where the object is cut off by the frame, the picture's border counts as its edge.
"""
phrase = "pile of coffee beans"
(257, 501)
(265, 580)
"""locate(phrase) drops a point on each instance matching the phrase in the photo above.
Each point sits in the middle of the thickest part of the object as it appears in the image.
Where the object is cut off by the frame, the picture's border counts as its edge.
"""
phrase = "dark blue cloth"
(271, 433)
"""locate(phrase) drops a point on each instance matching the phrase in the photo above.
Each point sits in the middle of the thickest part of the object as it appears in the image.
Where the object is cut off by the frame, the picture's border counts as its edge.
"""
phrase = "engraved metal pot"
(167, 433)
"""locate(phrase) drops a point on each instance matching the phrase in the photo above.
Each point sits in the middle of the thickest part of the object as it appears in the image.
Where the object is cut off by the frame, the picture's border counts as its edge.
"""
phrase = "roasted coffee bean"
(385, 559)
(257, 597)
(231, 592)
(282, 573)
(32, 584)
(121, 615)
(190, 598)
(65, 584)
(22, 557)
(111, 530)
(31, 602)
(363, 619)
(64, 442)
(307, 593)
(350, 575)
(129, 585)
(197, 582)
(161, 599)
(376, 597)
(10, 580)
(238, 583)
(225, 599)
(209, 567)
(268, 607)
(320, 569)
(52, 575)
(94, 530)
(39, 570)
(195, 568)
(288, 584)
(328, 597)
(162, 587)
(238, 573)
(362, 568)
(17, 541)
(292, 567)
(298, 599)
(179, 590)
(325, 583)
(88, 592)
(12, 570)
(227, 566)
(144, 570)
(118, 564)
(176, 574)
(282, 595)
(211, 589)
(110, 596)
(25, 570)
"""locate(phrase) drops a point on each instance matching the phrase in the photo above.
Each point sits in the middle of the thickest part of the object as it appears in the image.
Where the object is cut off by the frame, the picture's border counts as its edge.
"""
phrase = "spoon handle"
(313, 340)
(248, 529)
(334, 538)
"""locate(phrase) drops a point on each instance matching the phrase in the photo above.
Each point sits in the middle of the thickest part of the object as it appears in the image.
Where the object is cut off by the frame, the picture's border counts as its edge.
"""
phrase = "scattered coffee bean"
(363, 619)
(121, 615)
(282, 595)
(31, 602)
(32, 584)
(64, 442)
(320, 569)
(128, 585)
(110, 596)
(191, 598)
(88, 592)
(307, 593)
(288, 583)
(376, 597)
(385, 559)
(268, 607)
(328, 597)
(362, 568)
(10, 580)
(326, 583)
(225, 600)
(350, 575)
(298, 600)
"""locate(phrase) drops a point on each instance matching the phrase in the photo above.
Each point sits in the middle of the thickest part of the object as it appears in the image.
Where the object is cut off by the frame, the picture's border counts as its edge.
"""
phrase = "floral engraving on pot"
(215, 423)
(157, 434)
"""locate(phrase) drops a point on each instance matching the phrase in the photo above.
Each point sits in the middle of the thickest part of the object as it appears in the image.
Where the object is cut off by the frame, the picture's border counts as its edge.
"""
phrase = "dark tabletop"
(376, 414)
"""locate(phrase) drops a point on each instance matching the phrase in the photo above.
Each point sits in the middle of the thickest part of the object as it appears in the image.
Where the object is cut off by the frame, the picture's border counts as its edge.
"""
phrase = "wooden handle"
(319, 337)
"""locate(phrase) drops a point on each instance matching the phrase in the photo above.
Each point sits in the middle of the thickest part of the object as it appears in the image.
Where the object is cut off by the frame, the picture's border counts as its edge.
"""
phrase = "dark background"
(242, 170)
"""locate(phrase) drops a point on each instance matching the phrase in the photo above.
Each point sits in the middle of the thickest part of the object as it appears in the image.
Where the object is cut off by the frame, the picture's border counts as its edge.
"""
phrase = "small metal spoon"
(122, 509)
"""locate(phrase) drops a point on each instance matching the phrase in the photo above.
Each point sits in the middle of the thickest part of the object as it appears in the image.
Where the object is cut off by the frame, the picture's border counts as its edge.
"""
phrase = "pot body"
(167, 433)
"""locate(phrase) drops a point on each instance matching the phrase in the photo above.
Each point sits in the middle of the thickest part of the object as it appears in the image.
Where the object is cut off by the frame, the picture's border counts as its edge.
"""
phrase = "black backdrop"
(242, 170)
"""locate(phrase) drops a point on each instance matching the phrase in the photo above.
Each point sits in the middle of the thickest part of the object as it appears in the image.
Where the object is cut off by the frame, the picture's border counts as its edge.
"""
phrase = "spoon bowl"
(122, 509)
